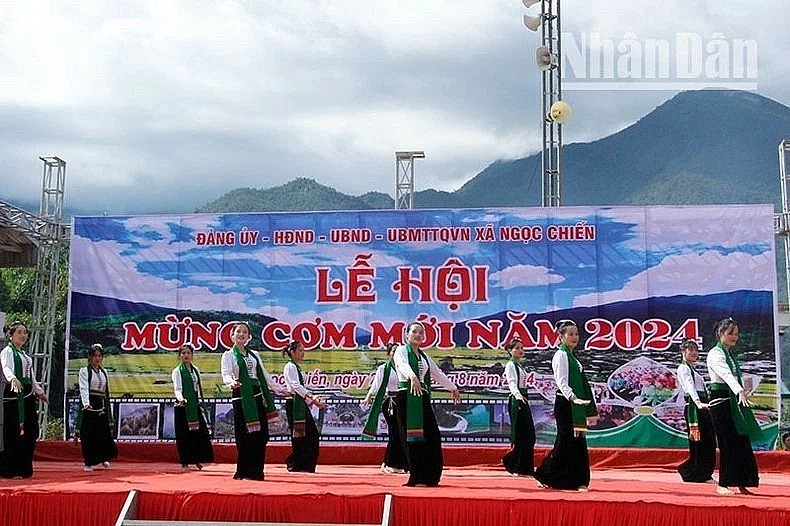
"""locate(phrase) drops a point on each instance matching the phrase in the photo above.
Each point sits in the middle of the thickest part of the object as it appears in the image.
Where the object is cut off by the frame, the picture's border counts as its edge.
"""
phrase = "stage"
(629, 486)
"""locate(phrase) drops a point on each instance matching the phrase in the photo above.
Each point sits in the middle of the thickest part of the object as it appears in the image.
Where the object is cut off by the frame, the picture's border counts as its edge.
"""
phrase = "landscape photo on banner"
(636, 280)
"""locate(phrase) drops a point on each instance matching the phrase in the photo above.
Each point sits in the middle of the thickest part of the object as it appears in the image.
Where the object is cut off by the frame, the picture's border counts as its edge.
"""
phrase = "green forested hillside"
(700, 147)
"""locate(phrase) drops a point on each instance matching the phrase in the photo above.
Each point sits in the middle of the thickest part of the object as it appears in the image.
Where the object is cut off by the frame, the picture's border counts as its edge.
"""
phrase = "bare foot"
(583, 489)
(540, 484)
(723, 490)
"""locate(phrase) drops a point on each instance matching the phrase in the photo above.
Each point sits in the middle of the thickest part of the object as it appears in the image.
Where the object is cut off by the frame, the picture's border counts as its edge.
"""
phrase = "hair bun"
(561, 324)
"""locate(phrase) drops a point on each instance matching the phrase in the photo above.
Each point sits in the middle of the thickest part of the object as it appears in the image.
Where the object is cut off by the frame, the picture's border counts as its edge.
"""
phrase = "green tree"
(17, 290)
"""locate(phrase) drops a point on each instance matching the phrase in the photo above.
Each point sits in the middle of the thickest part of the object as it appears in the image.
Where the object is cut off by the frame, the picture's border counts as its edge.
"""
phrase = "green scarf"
(743, 417)
(581, 388)
(513, 403)
(20, 396)
(106, 394)
(692, 411)
(299, 407)
(191, 392)
(414, 417)
(248, 407)
(372, 423)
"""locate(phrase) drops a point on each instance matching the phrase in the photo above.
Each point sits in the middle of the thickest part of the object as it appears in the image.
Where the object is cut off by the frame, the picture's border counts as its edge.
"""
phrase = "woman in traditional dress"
(95, 424)
(702, 438)
(732, 417)
(520, 460)
(416, 419)
(567, 466)
(192, 437)
(20, 415)
(381, 399)
(304, 433)
(253, 403)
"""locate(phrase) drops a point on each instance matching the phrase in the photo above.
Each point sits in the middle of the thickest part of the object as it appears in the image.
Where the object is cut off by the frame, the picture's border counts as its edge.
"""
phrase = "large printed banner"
(637, 280)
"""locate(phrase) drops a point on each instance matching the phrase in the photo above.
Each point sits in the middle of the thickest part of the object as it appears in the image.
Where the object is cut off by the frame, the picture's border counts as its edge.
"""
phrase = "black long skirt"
(737, 465)
(250, 447)
(95, 434)
(16, 459)
(394, 455)
(521, 457)
(304, 450)
(425, 457)
(567, 466)
(702, 453)
(194, 447)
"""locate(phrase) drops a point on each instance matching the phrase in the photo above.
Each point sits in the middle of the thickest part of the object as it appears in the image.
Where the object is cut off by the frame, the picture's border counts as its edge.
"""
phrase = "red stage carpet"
(621, 494)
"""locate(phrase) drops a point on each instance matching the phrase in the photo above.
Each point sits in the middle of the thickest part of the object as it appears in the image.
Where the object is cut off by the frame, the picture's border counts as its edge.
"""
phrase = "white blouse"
(98, 383)
(178, 385)
(426, 365)
(292, 383)
(720, 372)
(516, 377)
(690, 382)
(559, 364)
(230, 369)
(7, 362)
(392, 382)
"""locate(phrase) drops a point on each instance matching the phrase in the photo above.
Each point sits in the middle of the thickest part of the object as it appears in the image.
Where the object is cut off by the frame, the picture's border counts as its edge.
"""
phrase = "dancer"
(95, 423)
(304, 433)
(521, 457)
(381, 395)
(20, 415)
(189, 419)
(567, 466)
(253, 404)
(416, 419)
(702, 440)
(732, 417)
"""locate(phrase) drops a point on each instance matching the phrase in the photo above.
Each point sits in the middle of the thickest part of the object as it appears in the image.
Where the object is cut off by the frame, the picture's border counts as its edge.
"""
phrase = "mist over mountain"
(700, 147)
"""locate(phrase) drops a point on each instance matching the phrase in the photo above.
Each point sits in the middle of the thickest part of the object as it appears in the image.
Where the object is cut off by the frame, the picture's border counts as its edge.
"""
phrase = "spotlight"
(533, 22)
(560, 112)
(545, 58)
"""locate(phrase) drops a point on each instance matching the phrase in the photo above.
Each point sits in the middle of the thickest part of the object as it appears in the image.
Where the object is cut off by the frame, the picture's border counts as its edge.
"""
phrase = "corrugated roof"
(16, 248)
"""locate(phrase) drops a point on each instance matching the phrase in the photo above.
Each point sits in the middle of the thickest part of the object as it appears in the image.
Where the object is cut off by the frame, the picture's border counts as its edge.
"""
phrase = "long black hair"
(562, 325)
(11, 328)
(290, 348)
(509, 346)
(723, 326)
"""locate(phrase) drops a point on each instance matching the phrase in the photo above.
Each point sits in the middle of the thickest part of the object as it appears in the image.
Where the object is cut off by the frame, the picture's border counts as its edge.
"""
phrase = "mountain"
(700, 147)
(299, 194)
(377, 200)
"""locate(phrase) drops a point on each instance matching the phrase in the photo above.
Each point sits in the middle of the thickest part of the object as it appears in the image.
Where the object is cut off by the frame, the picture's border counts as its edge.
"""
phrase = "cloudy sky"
(163, 106)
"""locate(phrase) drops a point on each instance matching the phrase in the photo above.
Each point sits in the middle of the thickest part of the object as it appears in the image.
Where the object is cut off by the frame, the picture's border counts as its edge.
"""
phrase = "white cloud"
(525, 276)
(703, 226)
(692, 274)
(157, 291)
(148, 99)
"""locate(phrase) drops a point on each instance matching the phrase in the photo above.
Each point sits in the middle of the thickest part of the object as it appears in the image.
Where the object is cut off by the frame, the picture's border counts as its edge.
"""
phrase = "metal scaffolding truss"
(404, 179)
(551, 92)
(782, 220)
(50, 236)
